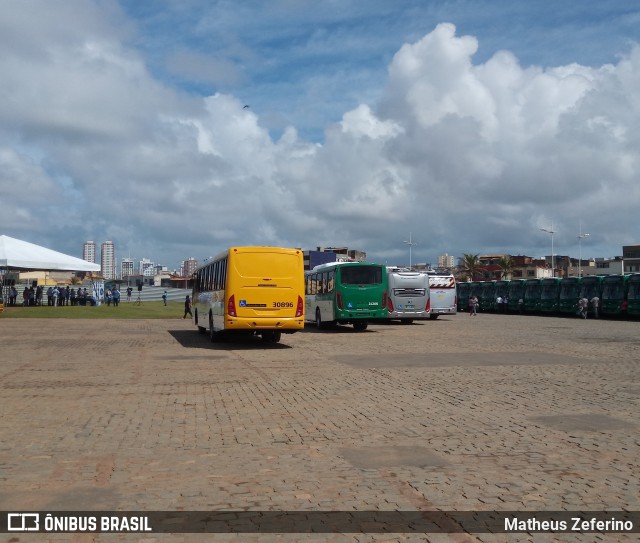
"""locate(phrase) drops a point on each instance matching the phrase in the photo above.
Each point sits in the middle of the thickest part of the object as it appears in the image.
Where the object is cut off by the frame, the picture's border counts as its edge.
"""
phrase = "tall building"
(188, 267)
(108, 260)
(446, 261)
(89, 251)
(145, 267)
(126, 267)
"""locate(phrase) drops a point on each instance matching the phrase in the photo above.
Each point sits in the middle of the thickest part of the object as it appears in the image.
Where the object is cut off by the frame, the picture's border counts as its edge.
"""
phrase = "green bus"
(590, 287)
(569, 294)
(615, 291)
(516, 293)
(633, 295)
(550, 295)
(462, 291)
(346, 293)
(487, 296)
(502, 291)
(532, 291)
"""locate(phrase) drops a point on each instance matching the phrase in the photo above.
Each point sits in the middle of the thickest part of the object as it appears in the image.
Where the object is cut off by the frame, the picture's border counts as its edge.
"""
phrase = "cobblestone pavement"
(488, 413)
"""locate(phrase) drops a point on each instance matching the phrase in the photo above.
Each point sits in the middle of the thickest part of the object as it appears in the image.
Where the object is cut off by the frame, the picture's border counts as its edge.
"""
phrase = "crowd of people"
(53, 296)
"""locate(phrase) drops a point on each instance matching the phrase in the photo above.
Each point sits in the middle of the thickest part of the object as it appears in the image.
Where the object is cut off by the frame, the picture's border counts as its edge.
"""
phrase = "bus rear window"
(361, 275)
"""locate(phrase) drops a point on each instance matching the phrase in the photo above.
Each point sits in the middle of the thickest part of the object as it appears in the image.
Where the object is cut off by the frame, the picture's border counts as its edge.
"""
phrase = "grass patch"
(126, 310)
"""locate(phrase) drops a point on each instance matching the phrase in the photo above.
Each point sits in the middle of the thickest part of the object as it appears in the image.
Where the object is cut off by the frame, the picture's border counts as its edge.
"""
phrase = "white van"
(443, 295)
(408, 295)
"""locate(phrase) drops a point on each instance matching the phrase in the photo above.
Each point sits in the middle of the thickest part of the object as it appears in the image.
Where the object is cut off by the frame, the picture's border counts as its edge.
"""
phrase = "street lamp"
(551, 231)
(410, 244)
(580, 236)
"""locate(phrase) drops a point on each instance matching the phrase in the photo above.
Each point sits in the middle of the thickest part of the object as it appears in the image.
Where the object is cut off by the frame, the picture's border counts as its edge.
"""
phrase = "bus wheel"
(319, 323)
(433, 317)
(271, 337)
(359, 326)
(213, 335)
(201, 329)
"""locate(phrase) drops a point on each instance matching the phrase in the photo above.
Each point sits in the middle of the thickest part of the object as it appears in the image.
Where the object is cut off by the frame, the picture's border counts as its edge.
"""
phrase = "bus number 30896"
(282, 304)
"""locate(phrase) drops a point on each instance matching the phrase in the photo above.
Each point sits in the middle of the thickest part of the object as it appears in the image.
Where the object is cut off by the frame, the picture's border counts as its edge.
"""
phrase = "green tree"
(470, 266)
(506, 267)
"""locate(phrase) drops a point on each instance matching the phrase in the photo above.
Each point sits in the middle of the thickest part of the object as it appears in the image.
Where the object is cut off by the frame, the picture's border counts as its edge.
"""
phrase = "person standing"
(473, 306)
(187, 307)
(164, 297)
(582, 307)
(115, 293)
(595, 305)
(129, 291)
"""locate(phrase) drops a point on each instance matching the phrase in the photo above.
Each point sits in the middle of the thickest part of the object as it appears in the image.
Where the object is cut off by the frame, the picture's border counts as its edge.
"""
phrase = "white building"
(108, 260)
(126, 267)
(446, 261)
(89, 251)
(188, 267)
(146, 267)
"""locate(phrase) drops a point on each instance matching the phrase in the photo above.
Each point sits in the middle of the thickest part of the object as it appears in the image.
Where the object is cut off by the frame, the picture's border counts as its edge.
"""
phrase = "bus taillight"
(384, 299)
(231, 306)
(428, 308)
(339, 300)
(389, 304)
(300, 307)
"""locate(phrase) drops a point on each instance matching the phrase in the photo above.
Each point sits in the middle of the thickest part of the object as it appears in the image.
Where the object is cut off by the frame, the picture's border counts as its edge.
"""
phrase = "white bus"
(443, 295)
(408, 297)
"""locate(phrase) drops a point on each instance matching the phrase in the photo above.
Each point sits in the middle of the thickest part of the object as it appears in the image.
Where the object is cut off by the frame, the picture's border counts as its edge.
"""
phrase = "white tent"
(17, 254)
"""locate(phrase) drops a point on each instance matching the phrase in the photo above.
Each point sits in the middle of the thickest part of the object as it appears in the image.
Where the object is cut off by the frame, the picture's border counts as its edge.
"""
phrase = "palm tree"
(470, 266)
(506, 266)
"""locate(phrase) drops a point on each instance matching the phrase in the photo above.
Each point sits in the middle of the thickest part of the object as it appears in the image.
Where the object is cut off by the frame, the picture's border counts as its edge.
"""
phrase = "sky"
(177, 128)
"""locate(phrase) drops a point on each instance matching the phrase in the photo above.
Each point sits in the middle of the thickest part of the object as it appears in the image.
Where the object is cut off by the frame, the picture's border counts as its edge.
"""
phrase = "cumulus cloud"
(468, 157)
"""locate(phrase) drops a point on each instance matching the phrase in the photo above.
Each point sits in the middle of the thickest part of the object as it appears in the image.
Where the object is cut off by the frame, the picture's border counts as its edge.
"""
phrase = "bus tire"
(359, 326)
(433, 317)
(319, 324)
(213, 335)
(271, 336)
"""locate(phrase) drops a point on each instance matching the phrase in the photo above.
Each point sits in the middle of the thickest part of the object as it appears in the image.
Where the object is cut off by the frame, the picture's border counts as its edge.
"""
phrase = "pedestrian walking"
(164, 297)
(187, 307)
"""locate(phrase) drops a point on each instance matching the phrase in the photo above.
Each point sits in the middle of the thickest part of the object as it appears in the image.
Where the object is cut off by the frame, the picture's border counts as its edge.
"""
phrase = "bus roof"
(328, 265)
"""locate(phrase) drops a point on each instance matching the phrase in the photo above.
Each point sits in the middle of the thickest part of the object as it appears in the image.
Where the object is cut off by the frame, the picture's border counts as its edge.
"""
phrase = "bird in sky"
(246, 106)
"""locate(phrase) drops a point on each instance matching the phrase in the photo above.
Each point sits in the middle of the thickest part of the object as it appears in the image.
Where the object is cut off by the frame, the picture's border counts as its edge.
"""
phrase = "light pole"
(580, 236)
(551, 231)
(410, 244)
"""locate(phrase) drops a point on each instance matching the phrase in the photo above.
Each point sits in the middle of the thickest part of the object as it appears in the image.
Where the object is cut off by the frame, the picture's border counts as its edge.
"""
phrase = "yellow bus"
(254, 290)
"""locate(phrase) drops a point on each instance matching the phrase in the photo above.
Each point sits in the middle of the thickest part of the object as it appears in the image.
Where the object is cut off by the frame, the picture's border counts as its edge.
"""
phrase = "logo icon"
(23, 522)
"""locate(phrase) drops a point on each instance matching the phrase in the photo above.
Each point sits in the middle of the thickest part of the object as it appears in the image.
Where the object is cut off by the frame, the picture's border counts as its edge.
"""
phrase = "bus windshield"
(361, 275)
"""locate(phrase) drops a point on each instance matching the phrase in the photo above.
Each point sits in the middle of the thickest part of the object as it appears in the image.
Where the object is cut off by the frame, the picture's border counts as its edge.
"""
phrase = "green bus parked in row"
(569, 294)
(550, 295)
(532, 291)
(615, 292)
(591, 287)
(633, 295)
(516, 293)
(487, 296)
